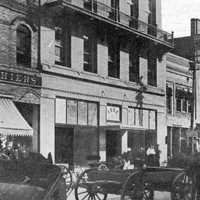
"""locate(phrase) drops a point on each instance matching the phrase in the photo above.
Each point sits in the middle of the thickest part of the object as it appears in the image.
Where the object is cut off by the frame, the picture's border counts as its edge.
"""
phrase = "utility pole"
(39, 37)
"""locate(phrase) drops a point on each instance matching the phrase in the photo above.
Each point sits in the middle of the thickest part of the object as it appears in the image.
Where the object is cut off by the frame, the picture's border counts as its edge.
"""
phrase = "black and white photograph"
(99, 100)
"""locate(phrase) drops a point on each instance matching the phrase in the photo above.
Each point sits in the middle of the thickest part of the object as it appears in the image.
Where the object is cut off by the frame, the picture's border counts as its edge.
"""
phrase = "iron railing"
(134, 24)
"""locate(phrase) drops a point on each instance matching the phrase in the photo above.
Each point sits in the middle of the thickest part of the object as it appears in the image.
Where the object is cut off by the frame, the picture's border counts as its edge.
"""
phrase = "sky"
(176, 15)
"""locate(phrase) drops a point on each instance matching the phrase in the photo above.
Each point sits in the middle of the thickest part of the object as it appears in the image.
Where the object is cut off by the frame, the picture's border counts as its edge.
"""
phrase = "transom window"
(23, 46)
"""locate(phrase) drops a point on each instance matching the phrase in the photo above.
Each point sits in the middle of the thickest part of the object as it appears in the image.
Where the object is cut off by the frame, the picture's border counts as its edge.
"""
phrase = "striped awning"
(11, 121)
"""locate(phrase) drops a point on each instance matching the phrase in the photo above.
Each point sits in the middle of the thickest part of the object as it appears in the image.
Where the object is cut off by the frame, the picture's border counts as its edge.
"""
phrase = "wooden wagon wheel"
(183, 188)
(136, 188)
(86, 190)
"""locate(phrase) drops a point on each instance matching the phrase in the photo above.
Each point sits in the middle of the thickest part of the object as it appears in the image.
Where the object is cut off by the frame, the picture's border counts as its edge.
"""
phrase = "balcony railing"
(114, 15)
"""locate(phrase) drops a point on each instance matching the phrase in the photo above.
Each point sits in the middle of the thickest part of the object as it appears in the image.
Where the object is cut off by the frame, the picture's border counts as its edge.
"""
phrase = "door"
(64, 145)
(113, 144)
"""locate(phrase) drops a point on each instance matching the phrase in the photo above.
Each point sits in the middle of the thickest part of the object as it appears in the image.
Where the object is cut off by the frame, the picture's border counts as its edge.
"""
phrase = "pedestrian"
(150, 153)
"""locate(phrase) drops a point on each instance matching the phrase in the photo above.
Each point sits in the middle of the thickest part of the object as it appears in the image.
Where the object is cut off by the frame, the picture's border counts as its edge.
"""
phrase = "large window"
(134, 66)
(23, 46)
(76, 112)
(62, 46)
(152, 69)
(90, 51)
(113, 58)
(183, 99)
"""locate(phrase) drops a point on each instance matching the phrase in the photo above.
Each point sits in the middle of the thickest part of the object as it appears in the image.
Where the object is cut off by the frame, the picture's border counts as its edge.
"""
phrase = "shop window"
(90, 51)
(152, 69)
(76, 112)
(23, 46)
(113, 58)
(134, 66)
(169, 99)
(62, 46)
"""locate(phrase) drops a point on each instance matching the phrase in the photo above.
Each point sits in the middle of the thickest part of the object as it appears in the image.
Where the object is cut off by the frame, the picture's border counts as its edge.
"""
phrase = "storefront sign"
(20, 78)
(113, 113)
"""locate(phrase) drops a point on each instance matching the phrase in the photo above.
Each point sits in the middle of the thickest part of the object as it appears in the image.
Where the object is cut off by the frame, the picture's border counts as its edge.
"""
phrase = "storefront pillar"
(124, 143)
(35, 126)
(161, 136)
(102, 145)
(47, 127)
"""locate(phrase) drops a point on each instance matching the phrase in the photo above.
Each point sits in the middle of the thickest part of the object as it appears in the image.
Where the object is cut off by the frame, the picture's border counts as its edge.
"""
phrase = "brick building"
(103, 75)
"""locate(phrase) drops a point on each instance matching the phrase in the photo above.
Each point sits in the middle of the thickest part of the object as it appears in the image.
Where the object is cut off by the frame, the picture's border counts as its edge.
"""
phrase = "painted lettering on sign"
(20, 78)
(113, 113)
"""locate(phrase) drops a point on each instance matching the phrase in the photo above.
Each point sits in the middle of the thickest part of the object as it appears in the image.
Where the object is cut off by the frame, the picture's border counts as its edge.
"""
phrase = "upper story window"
(152, 69)
(169, 97)
(113, 58)
(134, 13)
(114, 13)
(90, 53)
(134, 65)
(62, 46)
(183, 100)
(152, 18)
(23, 55)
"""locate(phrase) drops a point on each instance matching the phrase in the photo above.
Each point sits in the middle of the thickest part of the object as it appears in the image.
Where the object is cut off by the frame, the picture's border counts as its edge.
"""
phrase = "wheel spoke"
(86, 196)
(83, 192)
(97, 196)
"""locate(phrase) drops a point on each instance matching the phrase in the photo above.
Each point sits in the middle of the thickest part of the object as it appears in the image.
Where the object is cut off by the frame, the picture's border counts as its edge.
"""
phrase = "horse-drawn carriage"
(136, 184)
(33, 178)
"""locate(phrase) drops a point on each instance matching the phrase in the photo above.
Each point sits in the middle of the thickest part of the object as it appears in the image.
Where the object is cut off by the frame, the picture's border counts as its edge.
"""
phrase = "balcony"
(101, 11)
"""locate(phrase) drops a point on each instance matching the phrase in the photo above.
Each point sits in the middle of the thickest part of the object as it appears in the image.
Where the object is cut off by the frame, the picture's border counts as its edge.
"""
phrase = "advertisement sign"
(113, 113)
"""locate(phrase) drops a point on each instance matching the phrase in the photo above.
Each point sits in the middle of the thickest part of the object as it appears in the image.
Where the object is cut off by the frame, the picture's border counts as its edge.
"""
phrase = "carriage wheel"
(136, 188)
(87, 191)
(67, 175)
(183, 188)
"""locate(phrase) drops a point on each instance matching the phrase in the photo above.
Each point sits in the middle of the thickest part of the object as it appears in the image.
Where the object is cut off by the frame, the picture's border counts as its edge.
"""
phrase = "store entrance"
(113, 144)
(64, 145)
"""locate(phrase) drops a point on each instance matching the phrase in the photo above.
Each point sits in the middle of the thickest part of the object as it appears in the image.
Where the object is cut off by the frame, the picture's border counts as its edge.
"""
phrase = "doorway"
(113, 144)
(64, 139)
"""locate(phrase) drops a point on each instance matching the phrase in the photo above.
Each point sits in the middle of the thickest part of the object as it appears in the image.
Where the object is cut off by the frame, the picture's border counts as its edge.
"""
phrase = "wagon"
(136, 184)
(33, 178)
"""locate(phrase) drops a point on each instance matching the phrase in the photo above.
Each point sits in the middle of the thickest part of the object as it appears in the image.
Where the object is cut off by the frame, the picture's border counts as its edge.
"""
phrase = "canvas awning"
(11, 121)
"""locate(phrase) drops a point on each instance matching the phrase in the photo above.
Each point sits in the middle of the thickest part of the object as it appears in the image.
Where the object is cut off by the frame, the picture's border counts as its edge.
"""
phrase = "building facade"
(20, 80)
(178, 104)
(100, 71)
(103, 79)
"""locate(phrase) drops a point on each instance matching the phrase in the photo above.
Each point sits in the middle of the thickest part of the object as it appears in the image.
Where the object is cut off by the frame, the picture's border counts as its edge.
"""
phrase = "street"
(157, 196)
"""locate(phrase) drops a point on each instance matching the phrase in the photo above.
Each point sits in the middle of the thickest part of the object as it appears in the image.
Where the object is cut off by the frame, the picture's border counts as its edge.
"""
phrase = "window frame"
(23, 45)
(64, 44)
(134, 64)
(113, 57)
(152, 69)
(89, 64)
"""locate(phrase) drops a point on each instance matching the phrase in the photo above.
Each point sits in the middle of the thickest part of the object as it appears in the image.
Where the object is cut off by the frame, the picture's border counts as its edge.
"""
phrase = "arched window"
(23, 46)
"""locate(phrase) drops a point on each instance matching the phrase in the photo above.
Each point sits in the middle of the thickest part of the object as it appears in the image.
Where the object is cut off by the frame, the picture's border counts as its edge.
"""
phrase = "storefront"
(127, 128)
(76, 125)
(20, 110)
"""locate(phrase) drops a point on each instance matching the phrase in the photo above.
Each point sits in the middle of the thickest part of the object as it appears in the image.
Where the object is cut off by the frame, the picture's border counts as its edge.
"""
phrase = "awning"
(11, 121)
